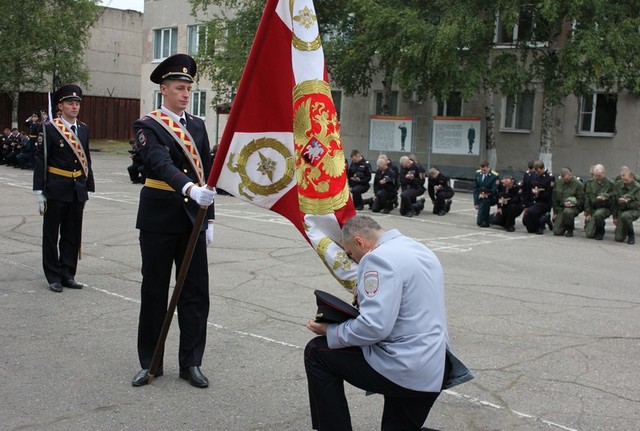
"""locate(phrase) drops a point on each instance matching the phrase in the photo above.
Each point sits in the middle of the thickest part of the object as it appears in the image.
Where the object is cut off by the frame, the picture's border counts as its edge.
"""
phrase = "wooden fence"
(107, 117)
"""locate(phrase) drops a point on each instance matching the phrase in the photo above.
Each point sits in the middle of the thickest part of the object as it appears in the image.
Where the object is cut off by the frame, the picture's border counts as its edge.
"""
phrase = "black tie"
(183, 122)
(73, 129)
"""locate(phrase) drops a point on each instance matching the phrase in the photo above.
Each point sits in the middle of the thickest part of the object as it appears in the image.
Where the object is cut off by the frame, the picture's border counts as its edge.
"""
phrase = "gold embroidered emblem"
(305, 17)
(320, 161)
(266, 166)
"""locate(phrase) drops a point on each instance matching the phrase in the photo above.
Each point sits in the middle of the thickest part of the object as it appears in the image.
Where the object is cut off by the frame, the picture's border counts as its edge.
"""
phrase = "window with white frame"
(529, 27)
(158, 100)
(199, 104)
(598, 114)
(386, 109)
(165, 43)
(517, 112)
(452, 107)
(193, 38)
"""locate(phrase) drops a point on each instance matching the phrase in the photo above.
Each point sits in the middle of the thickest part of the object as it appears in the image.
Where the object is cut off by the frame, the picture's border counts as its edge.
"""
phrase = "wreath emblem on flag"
(253, 172)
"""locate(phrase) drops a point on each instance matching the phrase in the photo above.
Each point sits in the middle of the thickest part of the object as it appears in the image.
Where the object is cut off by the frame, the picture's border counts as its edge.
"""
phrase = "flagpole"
(182, 274)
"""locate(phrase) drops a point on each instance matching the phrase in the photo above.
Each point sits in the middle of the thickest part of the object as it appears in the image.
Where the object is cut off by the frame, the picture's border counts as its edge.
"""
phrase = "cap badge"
(185, 70)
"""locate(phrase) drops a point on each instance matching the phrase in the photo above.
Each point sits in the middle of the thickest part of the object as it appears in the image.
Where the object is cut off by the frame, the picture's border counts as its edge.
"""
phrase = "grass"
(110, 145)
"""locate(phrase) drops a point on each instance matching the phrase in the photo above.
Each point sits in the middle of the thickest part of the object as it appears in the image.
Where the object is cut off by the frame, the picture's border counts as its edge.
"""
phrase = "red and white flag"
(281, 148)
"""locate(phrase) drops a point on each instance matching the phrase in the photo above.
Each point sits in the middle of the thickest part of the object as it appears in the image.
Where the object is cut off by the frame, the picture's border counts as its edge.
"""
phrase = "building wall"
(514, 149)
(160, 14)
(114, 54)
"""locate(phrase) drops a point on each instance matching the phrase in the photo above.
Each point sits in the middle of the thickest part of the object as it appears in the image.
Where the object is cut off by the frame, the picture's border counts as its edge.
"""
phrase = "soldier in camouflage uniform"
(599, 195)
(626, 207)
(568, 198)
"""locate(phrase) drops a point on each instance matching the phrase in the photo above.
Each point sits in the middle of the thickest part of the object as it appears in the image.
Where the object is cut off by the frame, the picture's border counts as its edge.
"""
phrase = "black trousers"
(440, 204)
(384, 200)
(531, 218)
(62, 220)
(159, 252)
(507, 217)
(407, 198)
(327, 370)
(356, 193)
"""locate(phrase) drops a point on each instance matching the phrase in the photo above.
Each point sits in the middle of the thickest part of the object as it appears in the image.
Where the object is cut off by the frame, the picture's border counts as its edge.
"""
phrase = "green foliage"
(43, 41)
(439, 46)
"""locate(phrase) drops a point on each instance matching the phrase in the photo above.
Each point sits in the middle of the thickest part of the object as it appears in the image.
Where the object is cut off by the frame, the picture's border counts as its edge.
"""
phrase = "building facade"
(599, 128)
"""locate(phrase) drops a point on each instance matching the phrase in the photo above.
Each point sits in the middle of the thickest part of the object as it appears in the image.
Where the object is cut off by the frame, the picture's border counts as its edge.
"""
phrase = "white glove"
(210, 234)
(202, 195)
(41, 201)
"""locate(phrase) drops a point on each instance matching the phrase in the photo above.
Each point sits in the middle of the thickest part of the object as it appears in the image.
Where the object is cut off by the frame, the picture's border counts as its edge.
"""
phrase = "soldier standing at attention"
(598, 198)
(62, 180)
(568, 199)
(174, 147)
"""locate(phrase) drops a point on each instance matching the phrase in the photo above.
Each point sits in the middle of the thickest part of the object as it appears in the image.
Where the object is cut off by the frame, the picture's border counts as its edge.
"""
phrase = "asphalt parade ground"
(549, 325)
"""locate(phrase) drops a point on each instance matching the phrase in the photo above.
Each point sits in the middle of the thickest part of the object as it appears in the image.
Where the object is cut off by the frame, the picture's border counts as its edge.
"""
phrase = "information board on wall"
(390, 133)
(456, 135)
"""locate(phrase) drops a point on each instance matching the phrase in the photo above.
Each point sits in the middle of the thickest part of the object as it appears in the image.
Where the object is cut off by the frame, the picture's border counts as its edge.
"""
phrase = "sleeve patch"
(142, 140)
(371, 283)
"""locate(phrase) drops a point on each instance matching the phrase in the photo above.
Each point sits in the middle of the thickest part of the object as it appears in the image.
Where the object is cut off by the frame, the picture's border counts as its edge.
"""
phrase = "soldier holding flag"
(175, 149)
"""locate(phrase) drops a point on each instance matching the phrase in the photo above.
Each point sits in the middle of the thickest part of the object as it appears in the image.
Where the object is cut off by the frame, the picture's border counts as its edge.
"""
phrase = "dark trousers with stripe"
(327, 370)
(159, 253)
(61, 231)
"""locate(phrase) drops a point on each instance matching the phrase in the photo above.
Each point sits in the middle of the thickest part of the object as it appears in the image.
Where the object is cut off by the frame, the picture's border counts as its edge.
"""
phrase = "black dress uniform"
(65, 185)
(387, 192)
(412, 187)
(359, 177)
(165, 220)
(537, 214)
(440, 197)
(510, 207)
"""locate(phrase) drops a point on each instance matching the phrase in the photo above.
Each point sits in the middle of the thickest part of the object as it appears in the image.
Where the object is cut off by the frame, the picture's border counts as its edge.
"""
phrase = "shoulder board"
(478, 171)
(494, 173)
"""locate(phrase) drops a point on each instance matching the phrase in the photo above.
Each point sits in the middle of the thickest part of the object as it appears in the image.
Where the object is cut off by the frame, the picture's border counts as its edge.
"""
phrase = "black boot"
(631, 237)
(599, 233)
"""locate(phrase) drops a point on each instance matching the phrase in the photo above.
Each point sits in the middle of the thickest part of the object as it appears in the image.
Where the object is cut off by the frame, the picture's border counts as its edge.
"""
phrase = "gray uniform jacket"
(402, 327)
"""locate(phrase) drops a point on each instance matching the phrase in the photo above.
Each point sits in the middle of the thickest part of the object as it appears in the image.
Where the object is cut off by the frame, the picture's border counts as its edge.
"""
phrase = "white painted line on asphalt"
(515, 412)
(294, 346)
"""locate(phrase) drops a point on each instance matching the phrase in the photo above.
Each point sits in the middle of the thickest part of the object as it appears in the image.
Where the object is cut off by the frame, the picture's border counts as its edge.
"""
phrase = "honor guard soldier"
(174, 147)
(62, 180)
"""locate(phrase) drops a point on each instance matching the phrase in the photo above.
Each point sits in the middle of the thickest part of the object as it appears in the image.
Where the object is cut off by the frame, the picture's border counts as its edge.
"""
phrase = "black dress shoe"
(55, 286)
(72, 284)
(485, 224)
(142, 378)
(195, 376)
(510, 229)
(569, 233)
(631, 239)
(447, 206)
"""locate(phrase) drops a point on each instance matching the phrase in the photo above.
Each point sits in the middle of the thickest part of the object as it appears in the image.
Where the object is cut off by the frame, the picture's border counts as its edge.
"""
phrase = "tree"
(577, 48)
(43, 45)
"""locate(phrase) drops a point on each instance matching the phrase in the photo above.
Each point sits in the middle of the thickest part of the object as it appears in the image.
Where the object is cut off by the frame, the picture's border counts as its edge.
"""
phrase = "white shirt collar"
(67, 124)
(173, 115)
